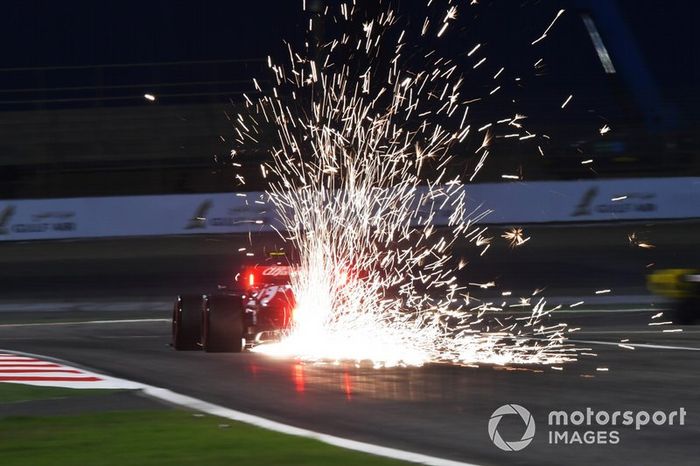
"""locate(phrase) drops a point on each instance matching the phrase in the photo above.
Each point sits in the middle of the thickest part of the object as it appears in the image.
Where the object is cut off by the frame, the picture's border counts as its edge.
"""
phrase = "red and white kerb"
(17, 368)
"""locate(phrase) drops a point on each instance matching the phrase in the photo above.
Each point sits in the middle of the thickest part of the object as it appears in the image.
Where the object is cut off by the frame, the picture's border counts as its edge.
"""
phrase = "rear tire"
(187, 322)
(222, 324)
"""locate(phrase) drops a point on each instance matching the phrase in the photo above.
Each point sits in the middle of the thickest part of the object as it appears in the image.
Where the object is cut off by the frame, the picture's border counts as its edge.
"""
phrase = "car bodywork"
(256, 307)
(683, 287)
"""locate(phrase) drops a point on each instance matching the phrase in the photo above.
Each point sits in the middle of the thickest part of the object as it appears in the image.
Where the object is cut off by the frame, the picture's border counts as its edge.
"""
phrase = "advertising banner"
(507, 203)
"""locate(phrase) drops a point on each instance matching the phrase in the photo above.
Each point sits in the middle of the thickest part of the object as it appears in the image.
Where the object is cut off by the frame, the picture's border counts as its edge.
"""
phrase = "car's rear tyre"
(222, 324)
(187, 322)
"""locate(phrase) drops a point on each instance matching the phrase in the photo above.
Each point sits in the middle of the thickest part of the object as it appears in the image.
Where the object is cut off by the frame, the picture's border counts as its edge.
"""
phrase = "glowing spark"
(479, 63)
(576, 304)
(619, 198)
(603, 291)
(544, 34)
(150, 97)
(586, 162)
(566, 102)
(605, 129)
(635, 241)
(484, 285)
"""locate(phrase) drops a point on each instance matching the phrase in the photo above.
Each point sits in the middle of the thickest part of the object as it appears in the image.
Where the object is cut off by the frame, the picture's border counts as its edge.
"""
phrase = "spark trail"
(360, 177)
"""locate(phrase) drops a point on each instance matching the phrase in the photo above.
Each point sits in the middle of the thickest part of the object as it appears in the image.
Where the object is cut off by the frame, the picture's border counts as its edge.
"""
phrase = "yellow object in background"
(672, 283)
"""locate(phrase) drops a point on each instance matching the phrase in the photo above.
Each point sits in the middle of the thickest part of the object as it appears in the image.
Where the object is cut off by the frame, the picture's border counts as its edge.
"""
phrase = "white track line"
(637, 345)
(626, 332)
(82, 322)
(196, 404)
(508, 310)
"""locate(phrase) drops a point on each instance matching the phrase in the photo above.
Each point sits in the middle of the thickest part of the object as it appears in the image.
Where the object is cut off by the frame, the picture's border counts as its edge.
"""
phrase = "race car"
(255, 308)
(681, 285)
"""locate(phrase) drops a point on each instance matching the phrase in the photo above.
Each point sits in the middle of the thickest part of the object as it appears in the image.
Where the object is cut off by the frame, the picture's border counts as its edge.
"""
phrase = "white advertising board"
(510, 203)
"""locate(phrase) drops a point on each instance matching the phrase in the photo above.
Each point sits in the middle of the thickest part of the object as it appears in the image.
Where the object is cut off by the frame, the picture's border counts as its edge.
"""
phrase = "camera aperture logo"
(581, 427)
(515, 445)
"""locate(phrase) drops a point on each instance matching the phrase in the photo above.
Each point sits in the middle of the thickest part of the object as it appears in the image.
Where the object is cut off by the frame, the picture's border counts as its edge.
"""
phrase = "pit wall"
(511, 203)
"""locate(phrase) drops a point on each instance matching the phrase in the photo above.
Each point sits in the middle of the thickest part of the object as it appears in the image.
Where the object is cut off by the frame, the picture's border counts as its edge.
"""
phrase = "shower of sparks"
(359, 178)
(604, 130)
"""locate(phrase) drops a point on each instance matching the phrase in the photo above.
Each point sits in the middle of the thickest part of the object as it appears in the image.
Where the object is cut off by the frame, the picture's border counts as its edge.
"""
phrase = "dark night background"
(43, 33)
(58, 60)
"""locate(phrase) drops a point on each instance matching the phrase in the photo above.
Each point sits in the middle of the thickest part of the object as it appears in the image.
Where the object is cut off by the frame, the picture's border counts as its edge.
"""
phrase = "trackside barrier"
(511, 203)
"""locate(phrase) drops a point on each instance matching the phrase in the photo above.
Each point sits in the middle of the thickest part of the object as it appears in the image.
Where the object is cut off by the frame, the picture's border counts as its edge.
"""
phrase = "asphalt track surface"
(437, 410)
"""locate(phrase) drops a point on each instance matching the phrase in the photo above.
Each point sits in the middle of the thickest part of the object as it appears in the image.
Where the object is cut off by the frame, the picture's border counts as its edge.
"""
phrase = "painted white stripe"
(28, 362)
(584, 311)
(26, 367)
(54, 373)
(6, 361)
(135, 321)
(626, 332)
(638, 345)
(196, 404)
(106, 305)
(83, 322)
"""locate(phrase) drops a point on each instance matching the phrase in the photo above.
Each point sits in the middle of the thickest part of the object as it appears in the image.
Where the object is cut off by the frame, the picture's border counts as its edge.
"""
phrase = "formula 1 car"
(681, 285)
(256, 308)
